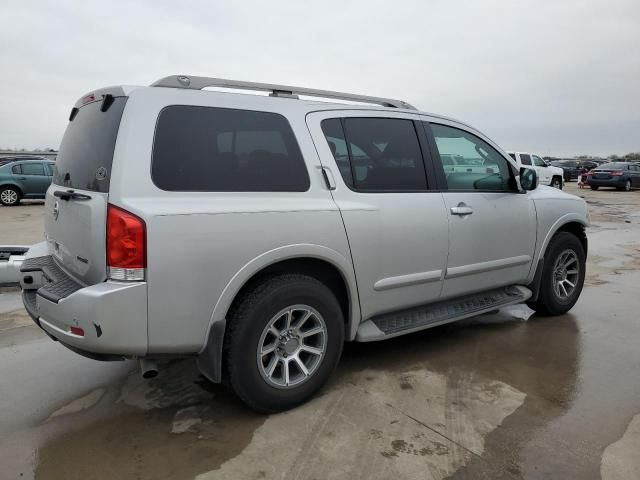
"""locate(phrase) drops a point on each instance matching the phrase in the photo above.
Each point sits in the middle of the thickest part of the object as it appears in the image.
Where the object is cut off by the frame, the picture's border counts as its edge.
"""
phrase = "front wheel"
(283, 341)
(556, 183)
(627, 186)
(563, 274)
(594, 187)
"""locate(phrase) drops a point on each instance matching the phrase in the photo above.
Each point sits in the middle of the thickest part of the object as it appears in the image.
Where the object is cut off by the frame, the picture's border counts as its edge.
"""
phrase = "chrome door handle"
(462, 209)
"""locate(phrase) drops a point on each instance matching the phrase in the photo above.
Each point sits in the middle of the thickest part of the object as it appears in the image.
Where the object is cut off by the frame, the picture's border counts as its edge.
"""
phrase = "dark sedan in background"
(620, 175)
(573, 168)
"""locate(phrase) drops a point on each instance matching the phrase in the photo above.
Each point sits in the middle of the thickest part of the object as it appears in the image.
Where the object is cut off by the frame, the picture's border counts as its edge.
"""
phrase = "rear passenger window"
(32, 169)
(525, 159)
(377, 154)
(16, 169)
(478, 165)
(225, 150)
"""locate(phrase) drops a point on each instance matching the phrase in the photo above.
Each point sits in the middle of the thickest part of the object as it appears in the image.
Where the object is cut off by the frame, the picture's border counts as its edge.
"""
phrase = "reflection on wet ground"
(498, 396)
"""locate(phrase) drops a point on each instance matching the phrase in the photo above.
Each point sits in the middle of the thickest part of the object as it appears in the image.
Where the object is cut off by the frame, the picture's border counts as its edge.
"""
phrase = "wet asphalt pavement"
(504, 395)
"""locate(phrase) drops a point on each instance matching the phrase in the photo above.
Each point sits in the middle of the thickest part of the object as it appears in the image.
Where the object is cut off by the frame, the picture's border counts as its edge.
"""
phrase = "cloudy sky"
(555, 77)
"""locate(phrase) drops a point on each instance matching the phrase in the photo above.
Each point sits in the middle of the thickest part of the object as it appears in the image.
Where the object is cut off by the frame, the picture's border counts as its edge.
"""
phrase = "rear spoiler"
(98, 95)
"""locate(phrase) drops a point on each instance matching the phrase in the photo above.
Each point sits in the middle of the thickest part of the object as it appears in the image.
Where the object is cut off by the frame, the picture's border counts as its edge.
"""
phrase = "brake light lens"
(126, 245)
(616, 173)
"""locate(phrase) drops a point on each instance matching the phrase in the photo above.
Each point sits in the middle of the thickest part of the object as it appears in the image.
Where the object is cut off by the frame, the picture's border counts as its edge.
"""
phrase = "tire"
(550, 301)
(594, 187)
(627, 186)
(9, 196)
(247, 331)
(556, 182)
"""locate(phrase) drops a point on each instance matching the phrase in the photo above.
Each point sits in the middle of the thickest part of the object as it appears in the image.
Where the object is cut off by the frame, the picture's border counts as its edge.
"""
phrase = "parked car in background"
(22, 178)
(17, 158)
(573, 168)
(619, 175)
(547, 174)
(458, 163)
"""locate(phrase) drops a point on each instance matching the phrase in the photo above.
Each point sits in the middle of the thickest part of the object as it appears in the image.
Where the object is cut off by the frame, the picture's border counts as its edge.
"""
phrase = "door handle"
(462, 209)
(328, 178)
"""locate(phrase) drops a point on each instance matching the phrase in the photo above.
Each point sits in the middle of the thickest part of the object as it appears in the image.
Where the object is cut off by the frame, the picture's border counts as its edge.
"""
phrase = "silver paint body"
(393, 250)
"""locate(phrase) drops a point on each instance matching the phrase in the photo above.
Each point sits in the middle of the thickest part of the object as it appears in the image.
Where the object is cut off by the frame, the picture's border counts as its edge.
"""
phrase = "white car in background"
(547, 174)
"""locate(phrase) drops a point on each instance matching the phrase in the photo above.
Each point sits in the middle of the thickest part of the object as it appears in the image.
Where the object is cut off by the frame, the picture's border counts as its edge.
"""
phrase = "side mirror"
(528, 178)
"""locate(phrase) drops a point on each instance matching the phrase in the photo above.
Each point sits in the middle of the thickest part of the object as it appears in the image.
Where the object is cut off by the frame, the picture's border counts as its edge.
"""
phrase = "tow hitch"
(11, 258)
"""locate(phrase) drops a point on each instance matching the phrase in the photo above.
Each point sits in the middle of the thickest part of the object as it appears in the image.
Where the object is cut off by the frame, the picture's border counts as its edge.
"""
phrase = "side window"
(332, 129)
(32, 169)
(538, 162)
(480, 167)
(513, 156)
(383, 154)
(525, 159)
(16, 169)
(49, 169)
(225, 150)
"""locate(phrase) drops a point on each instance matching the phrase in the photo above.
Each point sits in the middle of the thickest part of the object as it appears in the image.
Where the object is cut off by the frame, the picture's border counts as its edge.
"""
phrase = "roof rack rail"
(198, 83)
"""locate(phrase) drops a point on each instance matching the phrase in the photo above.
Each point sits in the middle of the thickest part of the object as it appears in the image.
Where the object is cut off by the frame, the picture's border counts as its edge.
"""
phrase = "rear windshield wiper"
(70, 195)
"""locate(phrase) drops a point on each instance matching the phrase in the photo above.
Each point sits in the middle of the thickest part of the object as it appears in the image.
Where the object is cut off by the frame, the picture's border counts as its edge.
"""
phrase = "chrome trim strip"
(454, 272)
(407, 280)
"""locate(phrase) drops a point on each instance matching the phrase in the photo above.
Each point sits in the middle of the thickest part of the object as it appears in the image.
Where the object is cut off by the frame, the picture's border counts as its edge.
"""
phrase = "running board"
(394, 324)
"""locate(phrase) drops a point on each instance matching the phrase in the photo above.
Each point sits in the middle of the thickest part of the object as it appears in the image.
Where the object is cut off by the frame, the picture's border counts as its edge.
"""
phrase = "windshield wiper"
(70, 195)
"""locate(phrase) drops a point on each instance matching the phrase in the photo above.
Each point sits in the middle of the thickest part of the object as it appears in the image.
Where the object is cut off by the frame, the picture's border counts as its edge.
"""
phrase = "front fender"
(565, 219)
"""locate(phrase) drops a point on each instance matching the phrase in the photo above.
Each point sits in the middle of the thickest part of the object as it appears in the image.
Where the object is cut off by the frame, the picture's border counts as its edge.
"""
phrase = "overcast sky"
(554, 77)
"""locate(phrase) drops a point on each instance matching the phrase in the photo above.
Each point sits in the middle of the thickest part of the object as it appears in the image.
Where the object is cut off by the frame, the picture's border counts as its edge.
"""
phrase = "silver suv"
(259, 233)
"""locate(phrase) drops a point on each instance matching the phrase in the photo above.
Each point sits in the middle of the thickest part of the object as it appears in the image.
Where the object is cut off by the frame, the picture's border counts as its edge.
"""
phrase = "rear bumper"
(11, 258)
(112, 315)
(614, 183)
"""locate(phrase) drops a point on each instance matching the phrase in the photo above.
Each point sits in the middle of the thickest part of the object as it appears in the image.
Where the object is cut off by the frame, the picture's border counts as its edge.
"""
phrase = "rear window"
(86, 152)
(611, 166)
(206, 149)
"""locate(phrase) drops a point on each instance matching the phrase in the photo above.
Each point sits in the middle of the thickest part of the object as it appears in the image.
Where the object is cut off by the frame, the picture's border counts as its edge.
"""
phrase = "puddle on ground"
(176, 430)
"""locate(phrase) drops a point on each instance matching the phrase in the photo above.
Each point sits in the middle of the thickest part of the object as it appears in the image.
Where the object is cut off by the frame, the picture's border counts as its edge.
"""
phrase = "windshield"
(86, 151)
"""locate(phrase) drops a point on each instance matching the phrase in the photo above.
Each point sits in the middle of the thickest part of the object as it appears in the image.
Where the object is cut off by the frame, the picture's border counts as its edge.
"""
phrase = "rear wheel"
(9, 196)
(283, 341)
(556, 182)
(563, 274)
(594, 187)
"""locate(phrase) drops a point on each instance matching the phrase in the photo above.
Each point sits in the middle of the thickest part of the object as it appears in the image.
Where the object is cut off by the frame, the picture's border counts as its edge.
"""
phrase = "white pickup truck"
(547, 174)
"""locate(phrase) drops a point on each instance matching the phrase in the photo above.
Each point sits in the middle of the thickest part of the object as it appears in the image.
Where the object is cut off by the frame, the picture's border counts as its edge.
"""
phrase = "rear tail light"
(616, 173)
(126, 245)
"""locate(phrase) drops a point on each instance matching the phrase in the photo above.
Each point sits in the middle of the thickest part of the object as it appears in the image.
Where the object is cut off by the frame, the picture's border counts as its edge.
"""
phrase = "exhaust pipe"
(149, 368)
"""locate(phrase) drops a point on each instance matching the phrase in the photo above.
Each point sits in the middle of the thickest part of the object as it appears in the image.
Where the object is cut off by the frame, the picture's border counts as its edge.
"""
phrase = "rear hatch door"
(76, 201)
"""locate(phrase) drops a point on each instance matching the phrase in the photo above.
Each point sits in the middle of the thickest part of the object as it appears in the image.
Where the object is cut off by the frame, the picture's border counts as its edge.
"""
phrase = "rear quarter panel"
(202, 247)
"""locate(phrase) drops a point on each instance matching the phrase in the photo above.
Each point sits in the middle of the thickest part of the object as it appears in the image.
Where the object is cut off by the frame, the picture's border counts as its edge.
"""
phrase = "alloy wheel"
(292, 346)
(9, 197)
(565, 274)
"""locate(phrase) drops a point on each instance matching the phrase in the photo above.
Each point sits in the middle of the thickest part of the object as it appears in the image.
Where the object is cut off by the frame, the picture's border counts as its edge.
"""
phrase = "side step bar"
(399, 323)
(11, 258)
